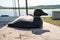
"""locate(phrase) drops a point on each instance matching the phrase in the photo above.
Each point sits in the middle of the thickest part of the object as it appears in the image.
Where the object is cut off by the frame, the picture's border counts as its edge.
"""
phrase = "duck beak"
(45, 14)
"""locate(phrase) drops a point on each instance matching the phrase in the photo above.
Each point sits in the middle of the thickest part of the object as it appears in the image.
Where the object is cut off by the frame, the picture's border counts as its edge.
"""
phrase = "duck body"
(26, 22)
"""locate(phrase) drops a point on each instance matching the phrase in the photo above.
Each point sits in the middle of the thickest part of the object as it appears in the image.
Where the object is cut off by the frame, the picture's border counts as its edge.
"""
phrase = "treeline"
(34, 7)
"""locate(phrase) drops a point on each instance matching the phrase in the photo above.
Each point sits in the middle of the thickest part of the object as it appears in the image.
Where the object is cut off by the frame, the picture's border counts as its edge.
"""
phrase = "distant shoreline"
(34, 7)
(30, 8)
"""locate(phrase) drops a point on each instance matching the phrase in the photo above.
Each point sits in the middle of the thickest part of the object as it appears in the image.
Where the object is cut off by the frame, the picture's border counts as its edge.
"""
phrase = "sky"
(9, 3)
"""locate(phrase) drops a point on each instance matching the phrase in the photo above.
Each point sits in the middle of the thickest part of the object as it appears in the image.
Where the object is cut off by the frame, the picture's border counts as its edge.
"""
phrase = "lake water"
(12, 12)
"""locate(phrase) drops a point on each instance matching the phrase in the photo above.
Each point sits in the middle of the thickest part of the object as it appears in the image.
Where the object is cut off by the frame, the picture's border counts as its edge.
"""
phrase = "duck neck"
(37, 18)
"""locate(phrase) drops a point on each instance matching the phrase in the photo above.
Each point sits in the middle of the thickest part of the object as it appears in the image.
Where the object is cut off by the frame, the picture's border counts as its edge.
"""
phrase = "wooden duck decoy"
(29, 21)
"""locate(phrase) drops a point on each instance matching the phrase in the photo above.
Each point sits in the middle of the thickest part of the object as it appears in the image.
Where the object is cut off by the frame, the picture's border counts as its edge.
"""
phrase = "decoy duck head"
(39, 12)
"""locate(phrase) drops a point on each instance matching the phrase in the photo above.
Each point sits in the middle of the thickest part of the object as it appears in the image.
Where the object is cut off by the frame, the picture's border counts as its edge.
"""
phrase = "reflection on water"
(12, 12)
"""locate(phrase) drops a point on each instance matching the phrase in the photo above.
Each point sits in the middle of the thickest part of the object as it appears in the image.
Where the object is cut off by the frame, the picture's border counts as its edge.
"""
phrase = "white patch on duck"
(27, 18)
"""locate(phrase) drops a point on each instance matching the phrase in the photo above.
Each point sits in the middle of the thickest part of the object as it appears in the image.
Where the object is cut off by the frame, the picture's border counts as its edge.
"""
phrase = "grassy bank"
(50, 20)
